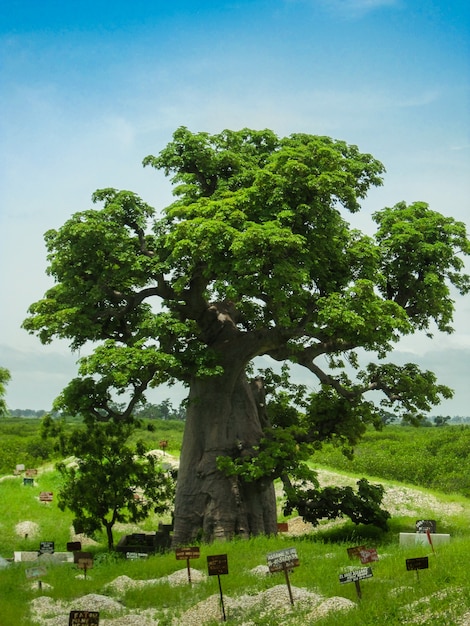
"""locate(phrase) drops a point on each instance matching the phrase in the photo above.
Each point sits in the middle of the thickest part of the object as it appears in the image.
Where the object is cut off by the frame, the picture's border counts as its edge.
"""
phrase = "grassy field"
(439, 595)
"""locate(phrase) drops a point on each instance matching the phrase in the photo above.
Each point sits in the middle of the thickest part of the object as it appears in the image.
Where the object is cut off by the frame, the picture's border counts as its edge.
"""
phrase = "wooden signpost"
(355, 552)
(217, 565)
(355, 577)
(46, 547)
(368, 555)
(45, 496)
(136, 556)
(186, 554)
(83, 560)
(36, 572)
(84, 618)
(425, 525)
(417, 564)
(283, 561)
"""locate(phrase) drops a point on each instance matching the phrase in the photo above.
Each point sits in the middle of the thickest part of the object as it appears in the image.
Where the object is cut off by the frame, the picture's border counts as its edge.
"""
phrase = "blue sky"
(90, 88)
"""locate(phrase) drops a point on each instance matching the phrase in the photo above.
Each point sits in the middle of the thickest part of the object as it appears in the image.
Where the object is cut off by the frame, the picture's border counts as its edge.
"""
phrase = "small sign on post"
(136, 556)
(355, 577)
(83, 560)
(46, 547)
(283, 561)
(84, 618)
(185, 554)
(36, 572)
(355, 552)
(368, 555)
(424, 525)
(217, 565)
(45, 496)
(416, 564)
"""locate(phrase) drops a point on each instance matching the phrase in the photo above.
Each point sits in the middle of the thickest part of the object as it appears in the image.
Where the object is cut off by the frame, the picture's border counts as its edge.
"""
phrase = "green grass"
(384, 597)
(393, 596)
(435, 458)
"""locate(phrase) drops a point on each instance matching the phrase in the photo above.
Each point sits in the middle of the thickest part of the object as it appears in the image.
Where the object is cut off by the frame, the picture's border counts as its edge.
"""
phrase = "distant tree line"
(162, 411)
(166, 411)
(26, 413)
(433, 420)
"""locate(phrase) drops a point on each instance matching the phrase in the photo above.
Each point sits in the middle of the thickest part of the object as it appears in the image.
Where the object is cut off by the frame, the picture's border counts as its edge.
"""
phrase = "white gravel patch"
(48, 612)
(274, 602)
(180, 577)
(27, 528)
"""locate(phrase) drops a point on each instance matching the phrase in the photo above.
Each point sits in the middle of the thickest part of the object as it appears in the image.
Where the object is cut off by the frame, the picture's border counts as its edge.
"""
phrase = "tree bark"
(222, 420)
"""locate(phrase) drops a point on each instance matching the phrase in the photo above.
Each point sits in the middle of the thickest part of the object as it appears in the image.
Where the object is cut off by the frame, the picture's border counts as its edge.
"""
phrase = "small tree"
(441, 420)
(110, 482)
(5, 376)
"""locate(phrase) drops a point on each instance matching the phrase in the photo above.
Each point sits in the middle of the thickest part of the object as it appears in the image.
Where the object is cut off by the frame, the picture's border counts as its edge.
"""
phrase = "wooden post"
(221, 599)
(358, 589)
(286, 572)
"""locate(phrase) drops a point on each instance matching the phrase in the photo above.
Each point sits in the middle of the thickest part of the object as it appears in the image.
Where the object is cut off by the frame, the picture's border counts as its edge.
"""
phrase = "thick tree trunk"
(222, 419)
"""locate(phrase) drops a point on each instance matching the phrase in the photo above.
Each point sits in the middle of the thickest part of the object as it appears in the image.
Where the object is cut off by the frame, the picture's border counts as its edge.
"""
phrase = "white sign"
(358, 574)
(282, 559)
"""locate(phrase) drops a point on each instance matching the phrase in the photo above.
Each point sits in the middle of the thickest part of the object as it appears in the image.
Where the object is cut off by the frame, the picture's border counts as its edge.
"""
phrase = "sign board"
(355, 552)
(31, 472)
(46, 547)
(418, 563)
(182, 554)
(28, 482)
(358, 574)
(282, 560)
(424, 525)
(20, 467)
(81, 555)
(35, 572)
(84, 618)
(74, 546)
(84, 560)
(282, 527)
(217, 564)
(45, 496)
(134, 556)
(368, 555)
